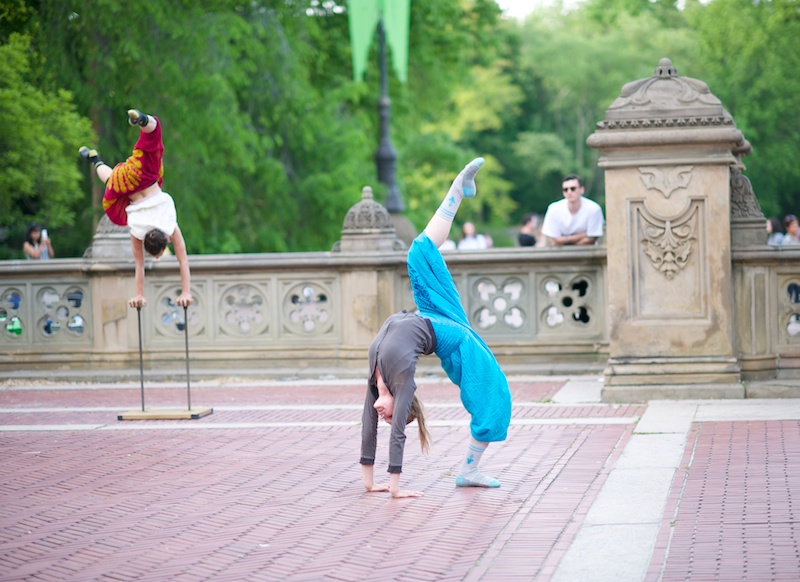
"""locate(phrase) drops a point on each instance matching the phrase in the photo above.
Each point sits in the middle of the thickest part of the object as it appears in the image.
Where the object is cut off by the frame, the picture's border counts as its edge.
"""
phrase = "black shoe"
(91, 155)
(136, 117)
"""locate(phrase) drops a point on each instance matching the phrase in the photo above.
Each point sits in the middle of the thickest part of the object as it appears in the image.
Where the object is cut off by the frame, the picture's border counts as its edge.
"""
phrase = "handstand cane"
(166, 414)
(186, 333)
(141, 364)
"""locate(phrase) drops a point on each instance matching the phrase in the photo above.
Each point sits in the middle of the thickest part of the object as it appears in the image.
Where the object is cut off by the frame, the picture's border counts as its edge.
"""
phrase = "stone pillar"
(668, 147)
(367, 294)
(110, 241)
(751, 281)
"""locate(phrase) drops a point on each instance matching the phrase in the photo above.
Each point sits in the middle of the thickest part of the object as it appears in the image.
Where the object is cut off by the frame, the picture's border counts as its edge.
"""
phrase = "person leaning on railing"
(575, 220)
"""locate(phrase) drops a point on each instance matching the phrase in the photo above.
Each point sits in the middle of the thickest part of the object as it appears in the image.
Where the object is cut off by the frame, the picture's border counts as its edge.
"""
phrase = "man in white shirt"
(575, 220)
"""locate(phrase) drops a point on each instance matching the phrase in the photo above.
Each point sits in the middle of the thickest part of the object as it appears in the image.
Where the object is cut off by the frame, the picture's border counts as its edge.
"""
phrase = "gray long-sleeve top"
(402, 339)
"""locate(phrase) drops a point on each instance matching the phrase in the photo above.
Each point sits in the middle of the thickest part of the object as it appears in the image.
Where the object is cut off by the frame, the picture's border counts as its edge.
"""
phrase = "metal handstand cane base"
(179, 414)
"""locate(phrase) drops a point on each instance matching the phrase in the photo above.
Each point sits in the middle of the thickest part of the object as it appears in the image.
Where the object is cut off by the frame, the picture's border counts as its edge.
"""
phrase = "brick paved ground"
(733, 509)
(268, 488)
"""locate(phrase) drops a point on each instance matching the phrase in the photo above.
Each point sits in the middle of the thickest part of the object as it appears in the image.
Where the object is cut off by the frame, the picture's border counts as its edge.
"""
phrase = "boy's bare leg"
(463, 186)
(103, 172)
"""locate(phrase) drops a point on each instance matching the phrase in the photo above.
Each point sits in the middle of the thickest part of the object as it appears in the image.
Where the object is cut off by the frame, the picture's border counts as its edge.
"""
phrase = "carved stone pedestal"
(110, 241)
(668, 147)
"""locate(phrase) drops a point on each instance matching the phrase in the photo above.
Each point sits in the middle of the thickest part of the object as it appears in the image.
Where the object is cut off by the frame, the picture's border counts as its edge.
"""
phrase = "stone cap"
(665, 100)
(367, 215)
(110, 241)
(368, 227)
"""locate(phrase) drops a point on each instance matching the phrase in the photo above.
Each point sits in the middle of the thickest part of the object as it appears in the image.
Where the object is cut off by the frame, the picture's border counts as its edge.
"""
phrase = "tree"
(749, 52)
(253, 149)
(456, 91)
(571, 67)
(40, 133)
(268, 140)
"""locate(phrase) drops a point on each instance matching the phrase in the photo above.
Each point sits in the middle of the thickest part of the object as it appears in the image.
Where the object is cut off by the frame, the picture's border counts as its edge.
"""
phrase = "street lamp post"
(386, 155)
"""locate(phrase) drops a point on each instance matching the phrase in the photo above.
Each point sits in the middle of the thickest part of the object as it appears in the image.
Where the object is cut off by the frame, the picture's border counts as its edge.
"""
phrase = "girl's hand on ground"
(401, 493)
(376, 487)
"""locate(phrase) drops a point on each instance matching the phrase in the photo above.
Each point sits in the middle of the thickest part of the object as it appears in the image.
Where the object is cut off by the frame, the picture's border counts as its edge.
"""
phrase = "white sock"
(463, 186)
(469, 476)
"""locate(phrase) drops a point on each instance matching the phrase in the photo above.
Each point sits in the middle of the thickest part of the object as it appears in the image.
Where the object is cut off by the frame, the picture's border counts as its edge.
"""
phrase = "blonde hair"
(417, 413)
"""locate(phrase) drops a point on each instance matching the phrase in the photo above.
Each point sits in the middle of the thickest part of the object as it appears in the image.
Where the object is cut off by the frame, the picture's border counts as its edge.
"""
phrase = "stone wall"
(541, 311)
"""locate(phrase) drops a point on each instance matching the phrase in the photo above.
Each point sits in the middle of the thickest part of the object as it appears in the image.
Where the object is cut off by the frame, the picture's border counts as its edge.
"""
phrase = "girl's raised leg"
(463, 186)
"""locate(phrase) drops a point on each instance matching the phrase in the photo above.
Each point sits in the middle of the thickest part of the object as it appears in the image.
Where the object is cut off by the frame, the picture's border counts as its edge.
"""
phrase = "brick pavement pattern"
(268, 487)
(731, 514)
(283, 500)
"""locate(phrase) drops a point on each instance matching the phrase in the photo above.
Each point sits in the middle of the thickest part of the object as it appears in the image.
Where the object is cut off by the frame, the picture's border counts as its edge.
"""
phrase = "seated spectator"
(774, 232)
(527, 233)
(575, 220)
(792, 236)
(471, 240)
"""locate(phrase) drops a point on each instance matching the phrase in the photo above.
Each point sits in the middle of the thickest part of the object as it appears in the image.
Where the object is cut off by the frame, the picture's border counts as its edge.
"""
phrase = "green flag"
(363, 16)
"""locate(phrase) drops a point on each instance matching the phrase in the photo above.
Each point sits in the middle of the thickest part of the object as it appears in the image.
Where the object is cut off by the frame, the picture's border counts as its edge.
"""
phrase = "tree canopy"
(40, 132)
(269, 139)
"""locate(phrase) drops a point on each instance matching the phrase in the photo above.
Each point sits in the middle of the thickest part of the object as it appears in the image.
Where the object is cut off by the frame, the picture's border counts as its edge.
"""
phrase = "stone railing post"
(367, 294)
(668, 147)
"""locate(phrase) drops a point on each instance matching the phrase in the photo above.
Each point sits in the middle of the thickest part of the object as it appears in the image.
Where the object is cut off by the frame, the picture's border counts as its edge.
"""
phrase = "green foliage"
(572, 66)
(269, 140)
(457, 90)
(258, 140)
(452, 141)
(749, 53)
(542, 159)
(40, 133)
(15, 16)
(609, 12)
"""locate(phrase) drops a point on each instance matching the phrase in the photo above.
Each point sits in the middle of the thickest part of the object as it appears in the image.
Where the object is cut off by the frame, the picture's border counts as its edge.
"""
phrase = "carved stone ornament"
(367, 215)
(667, 179)
(665, 100)
(110, 241)
(368, 227)
(105, 226)
(668, 243)
(743, 199)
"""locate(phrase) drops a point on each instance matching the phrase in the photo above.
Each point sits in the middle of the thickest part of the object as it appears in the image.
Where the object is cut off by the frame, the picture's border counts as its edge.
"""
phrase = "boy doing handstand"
(134, 197)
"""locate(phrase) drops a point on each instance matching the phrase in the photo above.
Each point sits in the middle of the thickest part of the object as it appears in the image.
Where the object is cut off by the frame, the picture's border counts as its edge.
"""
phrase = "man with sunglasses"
(575, 220)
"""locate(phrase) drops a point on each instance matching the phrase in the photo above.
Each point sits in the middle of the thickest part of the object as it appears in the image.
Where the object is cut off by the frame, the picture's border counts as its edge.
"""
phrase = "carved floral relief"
(668, 244)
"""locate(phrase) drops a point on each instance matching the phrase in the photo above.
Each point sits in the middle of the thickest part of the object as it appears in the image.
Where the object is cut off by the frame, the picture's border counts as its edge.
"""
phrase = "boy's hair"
(155, 242)
(569, 177)
(417, 413)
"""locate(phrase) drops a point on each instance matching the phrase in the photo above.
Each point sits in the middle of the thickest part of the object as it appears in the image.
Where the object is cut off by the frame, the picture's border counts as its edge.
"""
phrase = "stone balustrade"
(540, 310)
